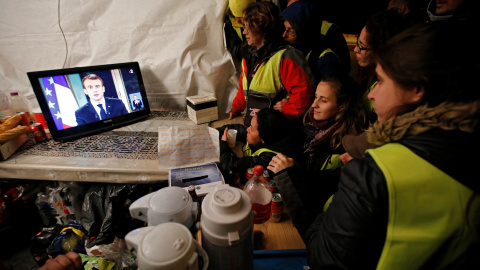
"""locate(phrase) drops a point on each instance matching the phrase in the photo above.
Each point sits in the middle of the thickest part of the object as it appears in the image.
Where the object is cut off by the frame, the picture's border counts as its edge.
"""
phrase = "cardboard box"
(202, 108)
(7, 149)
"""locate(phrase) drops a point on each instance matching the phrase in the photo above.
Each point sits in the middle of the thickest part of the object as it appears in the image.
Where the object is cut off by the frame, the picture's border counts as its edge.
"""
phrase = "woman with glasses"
(272, 74)
(413, 202)
(378, 29)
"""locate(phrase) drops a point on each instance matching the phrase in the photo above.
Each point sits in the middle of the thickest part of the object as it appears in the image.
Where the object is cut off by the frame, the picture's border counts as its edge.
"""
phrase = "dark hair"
(272, 125)
(263, 17)
(382, 26)
(346, 91)
(91, 77)
(439, 56)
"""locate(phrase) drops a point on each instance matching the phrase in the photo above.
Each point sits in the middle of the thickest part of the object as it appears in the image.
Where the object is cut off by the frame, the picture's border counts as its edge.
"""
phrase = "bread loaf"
(11, 122)
(12, 133)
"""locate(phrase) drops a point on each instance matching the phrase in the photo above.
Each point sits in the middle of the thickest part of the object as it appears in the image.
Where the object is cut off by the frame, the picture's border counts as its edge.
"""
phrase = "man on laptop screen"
(99, 107)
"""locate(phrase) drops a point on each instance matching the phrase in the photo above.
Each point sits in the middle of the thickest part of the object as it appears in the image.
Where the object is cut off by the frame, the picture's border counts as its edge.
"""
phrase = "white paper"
(185, 146)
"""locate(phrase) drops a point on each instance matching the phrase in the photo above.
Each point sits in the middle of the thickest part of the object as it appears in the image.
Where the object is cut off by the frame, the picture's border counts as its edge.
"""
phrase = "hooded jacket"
(317, 35)
(352, 231)
(229, 162)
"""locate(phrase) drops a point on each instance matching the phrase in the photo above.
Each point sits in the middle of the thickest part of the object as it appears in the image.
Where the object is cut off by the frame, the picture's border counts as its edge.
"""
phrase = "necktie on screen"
(103, 114)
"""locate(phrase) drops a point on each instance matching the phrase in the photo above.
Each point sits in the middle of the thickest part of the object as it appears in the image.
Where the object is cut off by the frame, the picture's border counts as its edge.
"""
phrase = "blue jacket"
(87, 113)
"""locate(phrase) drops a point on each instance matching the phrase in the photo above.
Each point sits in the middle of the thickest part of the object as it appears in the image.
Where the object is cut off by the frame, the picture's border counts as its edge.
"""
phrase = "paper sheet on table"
(185, 146)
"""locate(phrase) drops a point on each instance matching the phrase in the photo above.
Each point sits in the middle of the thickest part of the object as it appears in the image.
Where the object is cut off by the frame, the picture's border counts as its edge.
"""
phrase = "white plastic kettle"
(169, 204)
(165, 246)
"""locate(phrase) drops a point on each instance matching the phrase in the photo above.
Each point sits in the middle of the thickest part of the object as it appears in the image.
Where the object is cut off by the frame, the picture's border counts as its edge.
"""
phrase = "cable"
(63, 34)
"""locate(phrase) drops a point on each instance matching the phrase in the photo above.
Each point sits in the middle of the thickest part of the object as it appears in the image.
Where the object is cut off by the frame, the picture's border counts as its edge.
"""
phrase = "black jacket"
(351, 233)
(232, 165)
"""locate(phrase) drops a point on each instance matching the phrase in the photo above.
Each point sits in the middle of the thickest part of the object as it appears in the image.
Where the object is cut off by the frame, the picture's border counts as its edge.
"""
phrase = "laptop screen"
(85, 100)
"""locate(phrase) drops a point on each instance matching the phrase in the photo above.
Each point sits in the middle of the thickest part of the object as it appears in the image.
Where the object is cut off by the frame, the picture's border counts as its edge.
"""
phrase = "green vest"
(426, 224)
(248, 151)
(267, 80)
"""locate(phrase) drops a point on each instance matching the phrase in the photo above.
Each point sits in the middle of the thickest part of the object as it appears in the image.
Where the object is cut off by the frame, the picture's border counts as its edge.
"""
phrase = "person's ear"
(103, 87)
(418, 94)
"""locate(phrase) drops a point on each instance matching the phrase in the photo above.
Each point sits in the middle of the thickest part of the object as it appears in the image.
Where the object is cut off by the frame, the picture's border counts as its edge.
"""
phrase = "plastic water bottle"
(4, 105)
(259, 191)
(19, 104)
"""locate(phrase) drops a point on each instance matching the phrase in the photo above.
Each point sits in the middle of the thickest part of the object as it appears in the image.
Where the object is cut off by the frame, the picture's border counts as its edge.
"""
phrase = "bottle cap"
(258, 169)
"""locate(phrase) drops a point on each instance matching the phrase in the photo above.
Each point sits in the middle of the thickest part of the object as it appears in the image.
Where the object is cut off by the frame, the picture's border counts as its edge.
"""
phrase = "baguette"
(13, 133)
(11, 122)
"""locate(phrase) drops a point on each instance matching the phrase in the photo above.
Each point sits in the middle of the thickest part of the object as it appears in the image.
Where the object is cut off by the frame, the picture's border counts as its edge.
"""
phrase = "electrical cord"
(63, 34)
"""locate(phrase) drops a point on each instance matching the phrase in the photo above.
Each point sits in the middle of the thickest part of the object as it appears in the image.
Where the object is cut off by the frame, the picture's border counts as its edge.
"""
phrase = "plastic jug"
(227, 226)
(169, 204)
(165, 246)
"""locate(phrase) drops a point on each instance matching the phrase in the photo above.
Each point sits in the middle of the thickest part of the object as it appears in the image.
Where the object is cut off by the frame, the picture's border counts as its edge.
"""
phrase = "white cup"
(232, 137)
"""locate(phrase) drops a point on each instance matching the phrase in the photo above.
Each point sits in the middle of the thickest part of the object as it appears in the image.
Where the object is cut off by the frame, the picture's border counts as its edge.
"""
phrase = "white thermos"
(165, 247)
(227, 228)
(169, 204)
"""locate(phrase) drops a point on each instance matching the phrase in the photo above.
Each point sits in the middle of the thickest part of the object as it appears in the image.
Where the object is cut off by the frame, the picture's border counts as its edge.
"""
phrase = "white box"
(7, 149)
(202, 108)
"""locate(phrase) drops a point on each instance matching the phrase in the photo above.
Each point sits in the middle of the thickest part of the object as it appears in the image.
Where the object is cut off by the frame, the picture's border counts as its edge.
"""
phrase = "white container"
(165, 246)
(19, 104)
(4, 105)
(227, 228)
(169, 204)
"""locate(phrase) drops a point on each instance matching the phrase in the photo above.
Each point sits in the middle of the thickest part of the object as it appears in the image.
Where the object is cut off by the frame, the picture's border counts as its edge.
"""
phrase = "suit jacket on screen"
(87, 113)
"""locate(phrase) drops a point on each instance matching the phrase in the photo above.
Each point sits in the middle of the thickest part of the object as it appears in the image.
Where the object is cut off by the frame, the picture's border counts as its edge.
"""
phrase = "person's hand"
(231, 116)
(345, 157)
(280, 162)
(224, 136)
(279, 105)
(70, 261)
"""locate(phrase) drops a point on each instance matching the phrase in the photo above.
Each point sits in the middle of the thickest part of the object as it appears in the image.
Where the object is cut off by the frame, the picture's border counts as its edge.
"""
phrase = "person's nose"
(373, 93)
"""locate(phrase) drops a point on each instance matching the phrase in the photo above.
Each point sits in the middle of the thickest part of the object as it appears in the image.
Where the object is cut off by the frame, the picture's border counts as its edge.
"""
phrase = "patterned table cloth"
(125, 155)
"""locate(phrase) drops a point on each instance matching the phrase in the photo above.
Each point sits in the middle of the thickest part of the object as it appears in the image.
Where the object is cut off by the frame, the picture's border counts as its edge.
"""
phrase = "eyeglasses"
(290, 32)
(360, 47)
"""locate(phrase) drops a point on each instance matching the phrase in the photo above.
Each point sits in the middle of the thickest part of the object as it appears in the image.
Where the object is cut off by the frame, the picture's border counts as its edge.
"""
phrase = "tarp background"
(179, 44)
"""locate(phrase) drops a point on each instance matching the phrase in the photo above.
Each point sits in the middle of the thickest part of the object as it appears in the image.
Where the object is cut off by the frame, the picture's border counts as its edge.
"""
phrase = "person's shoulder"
(116, 100)
(85, 107)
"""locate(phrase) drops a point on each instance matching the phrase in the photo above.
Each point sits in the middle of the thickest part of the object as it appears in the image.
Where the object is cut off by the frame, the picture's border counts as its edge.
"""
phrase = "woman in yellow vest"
(269, 133)
(273, 74)
(412, 202)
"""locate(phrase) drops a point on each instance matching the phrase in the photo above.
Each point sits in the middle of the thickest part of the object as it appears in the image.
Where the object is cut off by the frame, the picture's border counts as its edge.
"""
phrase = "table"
(124, 155)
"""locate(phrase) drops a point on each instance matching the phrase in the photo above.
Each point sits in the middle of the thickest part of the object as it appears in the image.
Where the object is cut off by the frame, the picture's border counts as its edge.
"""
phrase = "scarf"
(446, 116)
(318, 135)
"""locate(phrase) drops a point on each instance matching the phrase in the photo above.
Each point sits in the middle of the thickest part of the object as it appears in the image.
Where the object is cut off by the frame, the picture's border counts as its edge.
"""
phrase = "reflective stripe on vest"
(327, 50)
(267, 80)
(325, 27)
(426, 212)
(257, 153)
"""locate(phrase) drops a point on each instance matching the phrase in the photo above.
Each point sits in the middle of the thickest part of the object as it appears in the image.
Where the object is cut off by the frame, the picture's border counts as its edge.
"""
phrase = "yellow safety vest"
(248, 151)
(267, 80)
(426, 212)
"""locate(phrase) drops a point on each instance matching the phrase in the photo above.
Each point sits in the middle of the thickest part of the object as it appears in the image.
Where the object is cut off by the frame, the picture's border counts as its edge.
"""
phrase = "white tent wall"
(179, 44)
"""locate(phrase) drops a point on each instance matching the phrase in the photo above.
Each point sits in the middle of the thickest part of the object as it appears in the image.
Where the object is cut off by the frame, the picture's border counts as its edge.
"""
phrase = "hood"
(300, 13)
